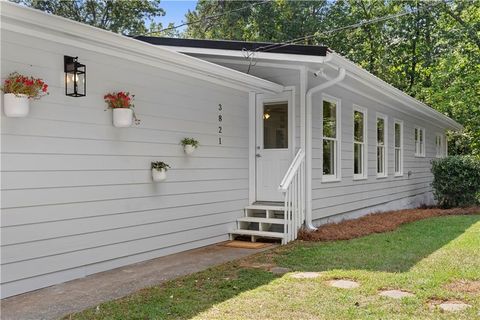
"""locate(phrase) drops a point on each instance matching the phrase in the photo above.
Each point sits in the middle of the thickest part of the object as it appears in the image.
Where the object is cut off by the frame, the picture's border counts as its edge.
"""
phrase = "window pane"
(421, 135)
(329, 119)
(328, 157)
(275, 126)
(380, 159)
(381, 131)
(397, 160)
(397, 134)
(357, 155)
(358, 126)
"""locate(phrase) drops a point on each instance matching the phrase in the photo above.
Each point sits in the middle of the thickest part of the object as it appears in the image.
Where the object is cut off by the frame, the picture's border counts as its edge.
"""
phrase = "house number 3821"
(220, 120)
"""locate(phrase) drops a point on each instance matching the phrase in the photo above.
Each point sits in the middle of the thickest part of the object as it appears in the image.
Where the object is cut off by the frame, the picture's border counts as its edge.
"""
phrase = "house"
(304, 137)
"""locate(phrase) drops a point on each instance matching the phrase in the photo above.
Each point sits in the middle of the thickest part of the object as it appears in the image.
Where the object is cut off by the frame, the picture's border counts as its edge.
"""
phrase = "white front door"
(274, 143)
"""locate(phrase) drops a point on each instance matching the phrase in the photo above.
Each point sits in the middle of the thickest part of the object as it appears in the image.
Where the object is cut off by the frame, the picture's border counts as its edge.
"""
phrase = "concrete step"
(265, 234)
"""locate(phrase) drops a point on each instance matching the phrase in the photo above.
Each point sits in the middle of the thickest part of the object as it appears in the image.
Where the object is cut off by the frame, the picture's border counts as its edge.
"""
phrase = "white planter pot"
(188, 148)
(16, 106)
(159, 175)
(122, 117)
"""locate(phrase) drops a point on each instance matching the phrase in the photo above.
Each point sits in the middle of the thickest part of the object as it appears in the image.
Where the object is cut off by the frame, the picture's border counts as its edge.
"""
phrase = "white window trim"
(364, 174)
(422, 152)
(337, 160)
(398, 174)
(442, 149)
(385, 145)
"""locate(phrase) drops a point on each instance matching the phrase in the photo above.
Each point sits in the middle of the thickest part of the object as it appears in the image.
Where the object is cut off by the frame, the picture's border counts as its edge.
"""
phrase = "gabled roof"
(237, 45)
(39, 24)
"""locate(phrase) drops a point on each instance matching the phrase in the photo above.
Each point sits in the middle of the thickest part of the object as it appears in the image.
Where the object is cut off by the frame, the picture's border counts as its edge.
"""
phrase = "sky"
(175, 11)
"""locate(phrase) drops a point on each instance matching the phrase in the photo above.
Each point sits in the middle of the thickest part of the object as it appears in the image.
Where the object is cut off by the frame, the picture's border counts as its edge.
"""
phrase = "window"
(275, 125)
(419, 142)
(440, 150)
(398, 143)
(381, 146)
(331, 112)
(359, 143)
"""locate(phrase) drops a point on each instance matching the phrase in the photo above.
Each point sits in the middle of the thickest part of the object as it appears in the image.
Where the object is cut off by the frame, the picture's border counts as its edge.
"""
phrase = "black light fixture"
(75, 77)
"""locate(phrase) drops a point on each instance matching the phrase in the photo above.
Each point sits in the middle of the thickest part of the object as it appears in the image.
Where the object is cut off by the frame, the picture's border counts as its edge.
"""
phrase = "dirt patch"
(464, 286)
(377, 223)
(257, 265)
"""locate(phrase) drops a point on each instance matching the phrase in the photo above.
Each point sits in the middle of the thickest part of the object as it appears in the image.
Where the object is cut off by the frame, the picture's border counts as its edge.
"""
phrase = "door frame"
(289, 95)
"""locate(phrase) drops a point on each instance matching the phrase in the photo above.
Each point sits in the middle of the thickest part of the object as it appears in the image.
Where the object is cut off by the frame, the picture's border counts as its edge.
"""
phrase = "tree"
(120, 16)
(433, 53)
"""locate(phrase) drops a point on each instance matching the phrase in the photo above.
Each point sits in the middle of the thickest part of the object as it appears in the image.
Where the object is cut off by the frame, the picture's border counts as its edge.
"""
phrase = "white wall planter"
(122, 117)
(188, 148)
(159, 175)
(16, 105)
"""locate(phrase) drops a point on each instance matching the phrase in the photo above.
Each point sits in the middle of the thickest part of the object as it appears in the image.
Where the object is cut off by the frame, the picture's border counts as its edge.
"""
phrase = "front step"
(263, 234)
(261, 221)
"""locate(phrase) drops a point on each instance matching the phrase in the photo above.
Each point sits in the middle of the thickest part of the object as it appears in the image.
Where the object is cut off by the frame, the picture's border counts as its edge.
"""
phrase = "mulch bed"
(377, 223)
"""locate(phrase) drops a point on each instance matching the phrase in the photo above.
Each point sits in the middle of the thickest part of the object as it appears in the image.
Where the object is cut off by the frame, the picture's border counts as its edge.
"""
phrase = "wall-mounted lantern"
(75, 77)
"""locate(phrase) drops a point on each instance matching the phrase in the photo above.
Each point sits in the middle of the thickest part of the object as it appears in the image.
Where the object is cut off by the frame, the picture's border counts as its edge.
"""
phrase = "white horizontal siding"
(331, 198)
(77, 192)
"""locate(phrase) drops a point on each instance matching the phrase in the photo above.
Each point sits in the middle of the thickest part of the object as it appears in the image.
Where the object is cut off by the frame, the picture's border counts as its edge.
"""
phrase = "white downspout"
(308, 142)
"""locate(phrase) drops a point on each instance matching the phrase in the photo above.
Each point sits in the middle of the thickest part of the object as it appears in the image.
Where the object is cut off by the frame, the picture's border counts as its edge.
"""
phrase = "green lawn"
(421, 257)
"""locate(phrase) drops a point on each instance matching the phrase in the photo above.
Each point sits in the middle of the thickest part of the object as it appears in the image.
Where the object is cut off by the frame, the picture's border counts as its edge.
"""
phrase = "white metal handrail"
(293, 188)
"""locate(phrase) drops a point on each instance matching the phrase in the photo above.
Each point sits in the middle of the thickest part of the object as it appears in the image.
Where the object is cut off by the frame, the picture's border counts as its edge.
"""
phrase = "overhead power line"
(212, 17)
(352, 26)
(250, 54)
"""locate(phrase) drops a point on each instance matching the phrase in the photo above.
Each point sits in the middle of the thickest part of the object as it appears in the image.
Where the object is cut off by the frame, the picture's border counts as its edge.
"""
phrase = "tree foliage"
(432, 54)
(120, 16)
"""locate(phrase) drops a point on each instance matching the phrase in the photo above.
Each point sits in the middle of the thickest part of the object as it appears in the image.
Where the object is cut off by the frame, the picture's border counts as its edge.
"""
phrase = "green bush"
(456, 181)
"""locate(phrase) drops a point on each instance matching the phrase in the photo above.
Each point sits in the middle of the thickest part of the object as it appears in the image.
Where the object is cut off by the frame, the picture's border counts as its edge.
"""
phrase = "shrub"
(456, 181)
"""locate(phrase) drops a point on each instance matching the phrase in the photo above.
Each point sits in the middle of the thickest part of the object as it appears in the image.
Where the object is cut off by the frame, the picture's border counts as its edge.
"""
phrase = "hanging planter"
(123, 109)
(159, 171)
(189, 145)
(18, 91)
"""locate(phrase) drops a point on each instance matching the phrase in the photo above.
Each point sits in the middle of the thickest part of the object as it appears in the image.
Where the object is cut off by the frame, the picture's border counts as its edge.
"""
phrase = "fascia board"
(389, 90)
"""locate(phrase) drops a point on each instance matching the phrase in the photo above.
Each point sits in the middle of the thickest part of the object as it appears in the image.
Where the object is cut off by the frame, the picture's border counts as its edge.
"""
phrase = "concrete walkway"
(59, 300)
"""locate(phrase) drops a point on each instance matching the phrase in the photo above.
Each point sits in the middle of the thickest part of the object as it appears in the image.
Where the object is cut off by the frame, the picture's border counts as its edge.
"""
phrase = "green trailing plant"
(189, 141)
(456, 181)
(159, 165)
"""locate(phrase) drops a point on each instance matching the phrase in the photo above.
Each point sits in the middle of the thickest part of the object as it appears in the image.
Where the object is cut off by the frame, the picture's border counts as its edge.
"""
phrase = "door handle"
(258, 155)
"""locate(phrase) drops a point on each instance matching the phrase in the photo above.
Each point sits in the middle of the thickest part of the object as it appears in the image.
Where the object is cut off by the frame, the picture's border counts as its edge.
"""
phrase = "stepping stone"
(344, 284)
(306, 275)
(279, 270)
(396, 294)
(453, 306)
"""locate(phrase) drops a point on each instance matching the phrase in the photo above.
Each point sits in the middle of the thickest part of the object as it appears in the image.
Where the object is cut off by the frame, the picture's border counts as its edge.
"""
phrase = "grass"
(421, 257)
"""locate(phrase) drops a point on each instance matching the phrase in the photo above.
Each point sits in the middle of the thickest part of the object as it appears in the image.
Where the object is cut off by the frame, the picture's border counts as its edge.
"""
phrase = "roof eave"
(397, 94)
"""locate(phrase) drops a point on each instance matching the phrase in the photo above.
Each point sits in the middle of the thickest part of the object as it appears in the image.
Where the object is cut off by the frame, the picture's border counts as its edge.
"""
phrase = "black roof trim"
(235, 45)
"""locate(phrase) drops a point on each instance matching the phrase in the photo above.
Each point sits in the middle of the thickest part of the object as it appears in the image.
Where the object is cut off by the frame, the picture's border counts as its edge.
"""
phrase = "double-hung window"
(381, 146)
(359, 143)
(419, 142)
(398, 145)
(440, 146)
(330, 136)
